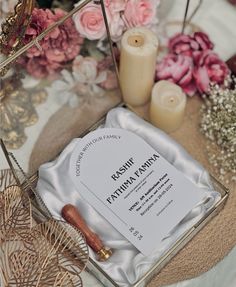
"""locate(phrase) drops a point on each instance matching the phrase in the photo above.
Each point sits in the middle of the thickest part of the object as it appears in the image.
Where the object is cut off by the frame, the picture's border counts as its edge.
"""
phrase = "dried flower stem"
(218, 124)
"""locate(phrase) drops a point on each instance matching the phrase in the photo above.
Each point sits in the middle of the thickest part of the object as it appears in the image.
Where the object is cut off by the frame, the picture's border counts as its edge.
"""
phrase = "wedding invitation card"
(132, 186)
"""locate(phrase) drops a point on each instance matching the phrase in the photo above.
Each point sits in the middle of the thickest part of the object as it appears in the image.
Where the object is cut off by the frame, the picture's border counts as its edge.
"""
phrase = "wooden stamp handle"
(71, 214)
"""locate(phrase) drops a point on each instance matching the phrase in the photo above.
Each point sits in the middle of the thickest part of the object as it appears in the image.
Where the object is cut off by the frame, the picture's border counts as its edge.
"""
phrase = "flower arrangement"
(73, 61)
(192, 64)
(65, 42)
(121, 15)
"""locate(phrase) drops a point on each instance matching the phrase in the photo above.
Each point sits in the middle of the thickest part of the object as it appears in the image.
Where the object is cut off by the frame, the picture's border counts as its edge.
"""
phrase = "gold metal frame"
(13, 29)
(36, 41)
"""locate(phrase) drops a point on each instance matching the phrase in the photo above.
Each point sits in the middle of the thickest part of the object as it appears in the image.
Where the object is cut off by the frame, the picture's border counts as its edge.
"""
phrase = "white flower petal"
(68, 77)
(79, 77)
(29, 82)
(98, 91)
(74, 101)
(101, 77)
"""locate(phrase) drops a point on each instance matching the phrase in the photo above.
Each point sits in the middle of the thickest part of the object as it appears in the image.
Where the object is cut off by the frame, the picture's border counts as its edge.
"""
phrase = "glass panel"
(59, 84)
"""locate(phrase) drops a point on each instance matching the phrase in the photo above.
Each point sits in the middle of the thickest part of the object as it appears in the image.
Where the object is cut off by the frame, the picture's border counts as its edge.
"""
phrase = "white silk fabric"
(127, 265)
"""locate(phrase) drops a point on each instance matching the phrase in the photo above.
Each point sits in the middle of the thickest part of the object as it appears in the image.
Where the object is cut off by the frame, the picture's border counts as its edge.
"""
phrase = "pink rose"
(114, 8)
(115, 5)
(188, 45)
(89, 22)
(177, 69)
(116, 26)
(60, 46)
(140, 12)
(209, 68)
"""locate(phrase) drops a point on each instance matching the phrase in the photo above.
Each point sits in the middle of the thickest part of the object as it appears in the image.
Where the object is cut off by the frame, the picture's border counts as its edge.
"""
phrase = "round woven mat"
(218, 237)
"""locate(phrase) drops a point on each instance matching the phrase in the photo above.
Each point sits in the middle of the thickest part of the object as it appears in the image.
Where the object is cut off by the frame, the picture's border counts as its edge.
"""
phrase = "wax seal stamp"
(71, 214)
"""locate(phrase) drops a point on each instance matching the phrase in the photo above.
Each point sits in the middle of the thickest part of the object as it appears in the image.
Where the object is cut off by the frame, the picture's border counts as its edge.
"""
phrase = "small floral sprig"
(121, 15)
(192, 64)
(218, 124)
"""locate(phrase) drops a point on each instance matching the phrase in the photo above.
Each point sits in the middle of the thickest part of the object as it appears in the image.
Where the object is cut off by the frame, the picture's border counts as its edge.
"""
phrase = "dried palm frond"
(16, 260)
(50, 254)
(15, 212)
(64, 279)
(67, 243)
(54, 255)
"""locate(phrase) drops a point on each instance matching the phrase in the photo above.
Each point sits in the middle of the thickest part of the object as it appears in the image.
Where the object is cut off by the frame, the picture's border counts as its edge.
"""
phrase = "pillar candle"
(167, 106)
(139, 48)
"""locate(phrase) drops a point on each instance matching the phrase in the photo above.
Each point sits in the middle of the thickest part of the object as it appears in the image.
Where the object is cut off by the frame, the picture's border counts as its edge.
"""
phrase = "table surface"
(218, 19)
(211, 18)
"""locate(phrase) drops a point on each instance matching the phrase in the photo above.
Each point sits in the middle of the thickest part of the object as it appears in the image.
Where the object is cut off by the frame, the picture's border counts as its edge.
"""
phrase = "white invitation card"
(132, 186)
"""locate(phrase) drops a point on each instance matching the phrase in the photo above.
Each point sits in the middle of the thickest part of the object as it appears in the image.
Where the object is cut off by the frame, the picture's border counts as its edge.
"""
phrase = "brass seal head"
(104, 254)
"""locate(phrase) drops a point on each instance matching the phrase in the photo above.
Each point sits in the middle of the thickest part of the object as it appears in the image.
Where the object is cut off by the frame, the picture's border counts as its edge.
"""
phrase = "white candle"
(167, 106)
(139, 48)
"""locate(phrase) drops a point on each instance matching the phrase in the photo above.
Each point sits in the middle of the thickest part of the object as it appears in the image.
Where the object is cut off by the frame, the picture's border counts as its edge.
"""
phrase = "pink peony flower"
(177, 69)
(60, 46)
(89, 22)
(209, 68)
(140, 12)
(190, 45)
(203, 41)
